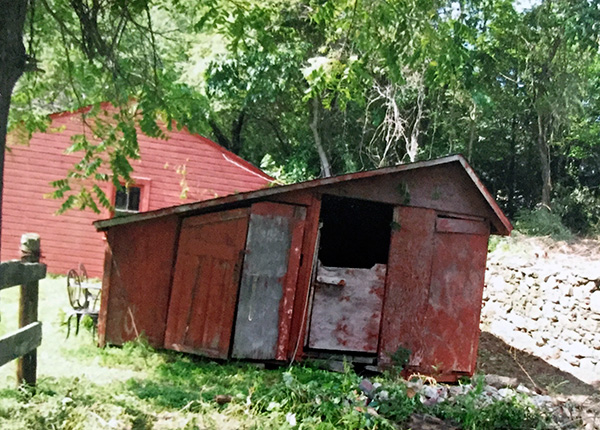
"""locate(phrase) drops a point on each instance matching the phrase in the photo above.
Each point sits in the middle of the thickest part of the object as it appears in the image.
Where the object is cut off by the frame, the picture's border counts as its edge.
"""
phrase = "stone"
(366, 387)
(522, 341)
(535, 313)
(569, 335)
(579, 350)
(592, 272)
(595, 302)
(428, 422)
(503, 329)
(587, 366)
(588, 287)
(498, 381)
(517, 320)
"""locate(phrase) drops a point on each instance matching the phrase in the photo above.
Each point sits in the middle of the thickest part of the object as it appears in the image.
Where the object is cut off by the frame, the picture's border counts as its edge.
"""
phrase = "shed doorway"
(349, 281)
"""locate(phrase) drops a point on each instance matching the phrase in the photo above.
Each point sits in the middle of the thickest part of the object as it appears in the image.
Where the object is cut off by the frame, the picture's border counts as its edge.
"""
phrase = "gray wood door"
(268, 280)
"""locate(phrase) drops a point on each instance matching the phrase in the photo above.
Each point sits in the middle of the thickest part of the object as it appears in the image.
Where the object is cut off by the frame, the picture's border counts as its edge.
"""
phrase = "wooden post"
(28, 308)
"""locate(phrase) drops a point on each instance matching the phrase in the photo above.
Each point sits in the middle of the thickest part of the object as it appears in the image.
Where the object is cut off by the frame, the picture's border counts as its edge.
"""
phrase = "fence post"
(28, 308)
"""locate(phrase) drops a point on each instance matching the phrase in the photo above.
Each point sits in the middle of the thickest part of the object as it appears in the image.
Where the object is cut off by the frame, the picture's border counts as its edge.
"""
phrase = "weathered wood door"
(433, 292)
(205, 284)
(451, 320)
(346, 309)
(268, 283)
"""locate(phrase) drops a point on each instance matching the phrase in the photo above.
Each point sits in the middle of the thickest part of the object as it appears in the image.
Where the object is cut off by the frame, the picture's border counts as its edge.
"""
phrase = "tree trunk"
(219, 135)
(12, 65)
(314, 126)
(511, 167)
(472, 131)
(544, 149)
(236, 132)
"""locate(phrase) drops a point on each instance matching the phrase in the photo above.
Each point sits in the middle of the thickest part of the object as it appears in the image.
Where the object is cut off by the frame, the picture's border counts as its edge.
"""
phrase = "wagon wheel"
(91, 296)
(83, 276)
(74, 290)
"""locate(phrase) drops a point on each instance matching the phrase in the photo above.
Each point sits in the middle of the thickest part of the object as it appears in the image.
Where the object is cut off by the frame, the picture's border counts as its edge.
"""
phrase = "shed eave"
(503, 226)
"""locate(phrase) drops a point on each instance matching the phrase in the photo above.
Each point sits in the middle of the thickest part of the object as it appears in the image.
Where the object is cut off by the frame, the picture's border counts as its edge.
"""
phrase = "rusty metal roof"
(250, 196)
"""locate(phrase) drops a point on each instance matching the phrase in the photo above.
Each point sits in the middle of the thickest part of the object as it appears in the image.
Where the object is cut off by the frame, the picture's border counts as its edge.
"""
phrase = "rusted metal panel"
(346, 310)
(264, 306)
(451, 325)
(205, 283)
(407, 283)
(136, 286)
(431, 197)
(464, 226)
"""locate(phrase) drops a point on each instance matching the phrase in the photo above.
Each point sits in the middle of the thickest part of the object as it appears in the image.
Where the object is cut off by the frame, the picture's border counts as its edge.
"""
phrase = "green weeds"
(136, 387)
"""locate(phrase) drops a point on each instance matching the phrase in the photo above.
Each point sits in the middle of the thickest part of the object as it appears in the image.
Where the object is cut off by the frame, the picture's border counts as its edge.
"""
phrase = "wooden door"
(268, 281)
(346, 308)
(433, 291)
(205, 284)
(451, 322)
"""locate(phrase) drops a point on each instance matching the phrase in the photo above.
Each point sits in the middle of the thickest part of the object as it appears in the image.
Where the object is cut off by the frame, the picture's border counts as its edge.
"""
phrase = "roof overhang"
(501, 223)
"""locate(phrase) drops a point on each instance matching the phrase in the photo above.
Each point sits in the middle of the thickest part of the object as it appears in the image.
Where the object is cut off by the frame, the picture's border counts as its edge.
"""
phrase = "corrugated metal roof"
(250, 196)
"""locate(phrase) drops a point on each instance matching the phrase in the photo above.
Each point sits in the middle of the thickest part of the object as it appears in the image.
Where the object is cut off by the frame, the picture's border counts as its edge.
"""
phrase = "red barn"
(185, 167)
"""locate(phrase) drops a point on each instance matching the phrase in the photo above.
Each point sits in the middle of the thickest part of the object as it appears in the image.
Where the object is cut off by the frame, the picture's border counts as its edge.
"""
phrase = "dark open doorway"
(349, 282)
(355, 233)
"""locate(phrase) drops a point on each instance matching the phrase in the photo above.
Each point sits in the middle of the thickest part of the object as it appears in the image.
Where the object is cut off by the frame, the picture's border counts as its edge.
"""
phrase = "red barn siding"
(70, 238)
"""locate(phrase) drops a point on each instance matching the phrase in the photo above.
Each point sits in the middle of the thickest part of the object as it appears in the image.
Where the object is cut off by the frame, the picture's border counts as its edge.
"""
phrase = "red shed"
(358, 265)
(184, 167)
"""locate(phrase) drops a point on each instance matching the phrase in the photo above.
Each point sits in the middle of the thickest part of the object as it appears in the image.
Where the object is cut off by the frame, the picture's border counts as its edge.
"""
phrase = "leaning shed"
(360, 265)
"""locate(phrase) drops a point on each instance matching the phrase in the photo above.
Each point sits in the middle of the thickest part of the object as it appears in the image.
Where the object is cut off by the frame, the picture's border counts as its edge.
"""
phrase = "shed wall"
(445, 188)
(136, 288)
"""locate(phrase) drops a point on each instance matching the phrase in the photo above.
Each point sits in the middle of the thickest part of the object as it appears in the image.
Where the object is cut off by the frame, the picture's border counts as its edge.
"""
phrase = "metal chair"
(83, 298)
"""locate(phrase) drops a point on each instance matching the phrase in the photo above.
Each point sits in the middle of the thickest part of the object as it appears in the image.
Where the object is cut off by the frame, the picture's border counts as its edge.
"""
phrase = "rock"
(541, 401)
(535, 313)
(587, 365)
(592, 273)
(433, 394)
(579, 350)
(595, 302)
(428, 422)
(366, 387)
(336, 366)
(517, 320)
(499, 381)
(522, 341)
(502, 329)
(221, 399)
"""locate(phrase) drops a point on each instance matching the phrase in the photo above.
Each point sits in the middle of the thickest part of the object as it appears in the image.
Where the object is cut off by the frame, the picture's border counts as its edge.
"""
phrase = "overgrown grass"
(136, 387)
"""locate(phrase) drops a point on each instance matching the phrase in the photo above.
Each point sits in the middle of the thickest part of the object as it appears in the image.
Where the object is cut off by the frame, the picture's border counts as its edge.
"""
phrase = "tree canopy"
(307, 88)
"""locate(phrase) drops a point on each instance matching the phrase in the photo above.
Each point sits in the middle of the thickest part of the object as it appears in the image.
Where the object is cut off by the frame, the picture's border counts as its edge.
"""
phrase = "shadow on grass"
(182, 379)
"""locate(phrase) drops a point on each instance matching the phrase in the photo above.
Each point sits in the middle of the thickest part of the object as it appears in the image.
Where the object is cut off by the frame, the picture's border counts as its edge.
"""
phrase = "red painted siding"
(133, 289)
(70, 238)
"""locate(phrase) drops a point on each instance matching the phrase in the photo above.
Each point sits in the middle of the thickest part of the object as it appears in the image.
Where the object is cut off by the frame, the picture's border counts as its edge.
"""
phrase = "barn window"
(127, 200)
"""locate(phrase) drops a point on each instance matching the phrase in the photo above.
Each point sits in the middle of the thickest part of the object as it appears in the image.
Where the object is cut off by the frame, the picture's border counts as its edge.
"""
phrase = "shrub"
(579, 210)
(542, 222)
